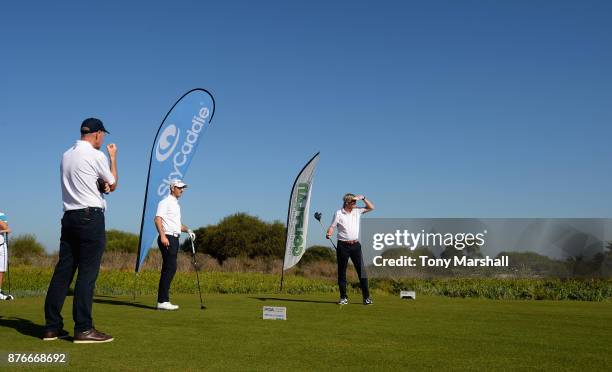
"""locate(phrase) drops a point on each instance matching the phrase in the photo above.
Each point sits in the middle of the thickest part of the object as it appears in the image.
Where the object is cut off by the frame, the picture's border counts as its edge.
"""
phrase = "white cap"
(178, 183)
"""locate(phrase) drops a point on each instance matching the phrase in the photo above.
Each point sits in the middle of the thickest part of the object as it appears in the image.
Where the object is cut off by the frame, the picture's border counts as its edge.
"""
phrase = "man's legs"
(342, 256)
(3, 260)
(62, 277)
(2, 269)
(168, 268)
(92, 236)
(357, 258)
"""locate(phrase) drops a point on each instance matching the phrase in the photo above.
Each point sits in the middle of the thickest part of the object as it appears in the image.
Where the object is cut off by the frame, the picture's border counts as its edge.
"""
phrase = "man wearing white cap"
(169, 227)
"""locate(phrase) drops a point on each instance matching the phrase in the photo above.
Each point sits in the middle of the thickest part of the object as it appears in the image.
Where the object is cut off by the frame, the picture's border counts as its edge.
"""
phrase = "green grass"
(430, 333)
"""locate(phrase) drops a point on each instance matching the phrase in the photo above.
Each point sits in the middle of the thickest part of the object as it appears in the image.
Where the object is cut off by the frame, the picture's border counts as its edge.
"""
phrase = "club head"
(317, 216)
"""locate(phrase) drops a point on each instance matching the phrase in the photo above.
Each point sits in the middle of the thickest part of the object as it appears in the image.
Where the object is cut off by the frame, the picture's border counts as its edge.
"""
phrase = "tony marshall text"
(425, 261)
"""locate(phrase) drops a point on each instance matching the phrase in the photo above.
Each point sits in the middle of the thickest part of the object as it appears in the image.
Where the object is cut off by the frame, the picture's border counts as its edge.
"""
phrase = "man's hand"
(164, 240)
(329, 233)
(112, 154)
(112, 150)
(103, 186)
(191, 235)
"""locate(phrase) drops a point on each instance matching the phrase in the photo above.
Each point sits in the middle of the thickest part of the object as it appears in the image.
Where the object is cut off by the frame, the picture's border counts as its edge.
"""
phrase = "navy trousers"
(168, 267)
(82, 244)
(352, 251)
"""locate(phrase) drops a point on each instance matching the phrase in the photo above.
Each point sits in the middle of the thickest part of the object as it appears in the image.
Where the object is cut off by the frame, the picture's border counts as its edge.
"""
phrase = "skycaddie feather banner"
(175, 144)
(297, 218)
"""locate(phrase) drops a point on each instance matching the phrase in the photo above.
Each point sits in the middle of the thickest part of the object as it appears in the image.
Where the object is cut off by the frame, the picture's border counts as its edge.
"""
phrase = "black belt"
(175, 235)
(86, 210)
(350, 242)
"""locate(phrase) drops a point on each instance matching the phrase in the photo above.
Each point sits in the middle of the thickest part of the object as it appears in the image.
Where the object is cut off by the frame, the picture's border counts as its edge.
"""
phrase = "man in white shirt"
(4, 231)
(169, 227)
(347, 220)
(85, 175)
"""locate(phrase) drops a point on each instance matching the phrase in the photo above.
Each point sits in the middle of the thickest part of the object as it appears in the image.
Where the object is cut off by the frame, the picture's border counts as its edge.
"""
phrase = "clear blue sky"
(429, 108)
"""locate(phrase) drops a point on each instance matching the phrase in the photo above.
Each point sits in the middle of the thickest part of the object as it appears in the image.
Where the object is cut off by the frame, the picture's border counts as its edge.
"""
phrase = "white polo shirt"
(170, 212)
(348, 223)
(81, 167)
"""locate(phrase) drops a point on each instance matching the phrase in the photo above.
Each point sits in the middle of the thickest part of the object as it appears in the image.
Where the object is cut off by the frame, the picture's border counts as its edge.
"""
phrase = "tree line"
(236, 235)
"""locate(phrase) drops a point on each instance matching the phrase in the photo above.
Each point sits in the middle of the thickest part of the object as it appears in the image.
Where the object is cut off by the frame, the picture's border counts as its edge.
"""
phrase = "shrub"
(317, 253)
(240, 235)
(24, 246)
(121, 241)
(531, 263)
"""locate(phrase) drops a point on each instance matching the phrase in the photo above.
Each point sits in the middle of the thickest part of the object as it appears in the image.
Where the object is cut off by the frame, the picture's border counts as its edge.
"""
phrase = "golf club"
(195, 266)
(9, 296)
(317, 217)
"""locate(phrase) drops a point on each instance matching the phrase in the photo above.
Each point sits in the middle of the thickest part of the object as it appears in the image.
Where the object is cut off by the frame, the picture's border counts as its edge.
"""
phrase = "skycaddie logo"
(165, 147)
(300, 206)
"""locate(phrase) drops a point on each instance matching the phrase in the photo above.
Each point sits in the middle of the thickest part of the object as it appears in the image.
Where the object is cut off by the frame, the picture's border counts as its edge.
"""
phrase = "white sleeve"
(361, 210)
(161, 209)
(335, 220)
(104, 168)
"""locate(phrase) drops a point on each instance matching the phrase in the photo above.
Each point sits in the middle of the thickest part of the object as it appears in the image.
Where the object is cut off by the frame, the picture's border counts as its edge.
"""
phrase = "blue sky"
(429, 108)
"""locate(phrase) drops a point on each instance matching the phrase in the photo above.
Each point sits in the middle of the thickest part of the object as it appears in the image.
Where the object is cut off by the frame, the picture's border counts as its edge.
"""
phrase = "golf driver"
(195, 266)
(317, 217)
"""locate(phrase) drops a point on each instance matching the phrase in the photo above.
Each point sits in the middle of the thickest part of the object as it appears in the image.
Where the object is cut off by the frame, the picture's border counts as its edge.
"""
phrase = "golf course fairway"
(426, 333)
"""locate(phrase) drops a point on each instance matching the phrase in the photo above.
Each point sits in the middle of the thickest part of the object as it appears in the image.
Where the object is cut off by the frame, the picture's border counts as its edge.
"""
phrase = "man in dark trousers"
(85, 176)
(347, 220)
(169, 226)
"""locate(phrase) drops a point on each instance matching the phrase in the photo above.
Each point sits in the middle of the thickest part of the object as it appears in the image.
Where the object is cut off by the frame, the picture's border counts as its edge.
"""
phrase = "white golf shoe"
(6, 297)
(166, 306)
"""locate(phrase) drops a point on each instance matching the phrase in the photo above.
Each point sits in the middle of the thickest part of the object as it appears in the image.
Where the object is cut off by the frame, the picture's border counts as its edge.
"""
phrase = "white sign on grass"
(408, 295)
(275, 312)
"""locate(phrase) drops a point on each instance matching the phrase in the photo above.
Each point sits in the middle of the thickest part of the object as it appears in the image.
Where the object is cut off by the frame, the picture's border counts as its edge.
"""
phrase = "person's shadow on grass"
(110, 301)
(23, 326)
(292, 300)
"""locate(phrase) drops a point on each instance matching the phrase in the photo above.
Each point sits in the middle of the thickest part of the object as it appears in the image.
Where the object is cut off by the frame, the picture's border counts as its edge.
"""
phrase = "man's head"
(93, 131)
(349, 201)
(177, 187)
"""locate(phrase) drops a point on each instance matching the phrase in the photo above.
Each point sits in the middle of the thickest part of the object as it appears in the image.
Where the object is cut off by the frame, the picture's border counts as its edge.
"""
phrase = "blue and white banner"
(175, 144)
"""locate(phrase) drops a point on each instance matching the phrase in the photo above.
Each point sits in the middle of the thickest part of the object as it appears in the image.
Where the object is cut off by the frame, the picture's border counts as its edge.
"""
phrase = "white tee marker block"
(410, 295)
(275, 312)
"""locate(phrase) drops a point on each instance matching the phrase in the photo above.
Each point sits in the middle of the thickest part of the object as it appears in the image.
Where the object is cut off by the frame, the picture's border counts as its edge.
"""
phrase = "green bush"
(240, 235)
(121, 241)
(24, 246)
(531, 263)
(318, 253)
